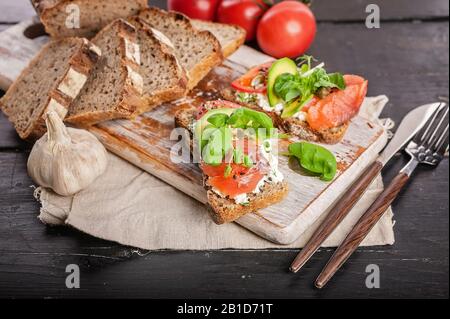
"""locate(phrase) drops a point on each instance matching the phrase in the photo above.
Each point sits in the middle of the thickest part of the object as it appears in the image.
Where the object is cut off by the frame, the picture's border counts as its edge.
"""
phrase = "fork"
(427, 147)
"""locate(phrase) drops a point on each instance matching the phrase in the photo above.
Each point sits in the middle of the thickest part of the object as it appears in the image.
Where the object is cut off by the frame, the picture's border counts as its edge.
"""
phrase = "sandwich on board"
(304, 101)
(239, 161)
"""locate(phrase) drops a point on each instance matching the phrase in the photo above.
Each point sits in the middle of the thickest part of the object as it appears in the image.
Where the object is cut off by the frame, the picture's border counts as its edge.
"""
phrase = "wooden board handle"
(337, 215)
(362, 228)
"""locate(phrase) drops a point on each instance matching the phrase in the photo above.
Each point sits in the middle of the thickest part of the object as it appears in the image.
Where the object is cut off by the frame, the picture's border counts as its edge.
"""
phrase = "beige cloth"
(131, 207)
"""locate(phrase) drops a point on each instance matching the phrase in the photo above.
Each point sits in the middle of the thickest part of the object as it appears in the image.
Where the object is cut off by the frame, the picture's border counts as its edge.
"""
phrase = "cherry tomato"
(241, 180)
(339, 106)
(244, 13)
(244, 83)
(287, 29)
(195, 9)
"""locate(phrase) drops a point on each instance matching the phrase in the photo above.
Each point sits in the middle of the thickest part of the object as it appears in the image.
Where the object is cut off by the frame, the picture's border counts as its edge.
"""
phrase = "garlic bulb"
(67, 160)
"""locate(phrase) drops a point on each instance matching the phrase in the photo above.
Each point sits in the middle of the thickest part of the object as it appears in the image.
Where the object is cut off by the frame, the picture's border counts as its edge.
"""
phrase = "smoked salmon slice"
(339, 107)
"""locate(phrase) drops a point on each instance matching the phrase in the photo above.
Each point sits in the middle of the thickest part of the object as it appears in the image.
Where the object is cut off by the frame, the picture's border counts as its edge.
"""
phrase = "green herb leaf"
(297, 90)
(315, 159)
(248, 161)
(227, 172)
(238, 156)
(218, 120)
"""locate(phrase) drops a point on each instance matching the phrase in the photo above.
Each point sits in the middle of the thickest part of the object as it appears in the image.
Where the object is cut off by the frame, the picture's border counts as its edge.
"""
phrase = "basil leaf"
(288, 86)
(218, 120)
(315, 159)
(248, 161)
(338, 80)
(218, 143)
(245, 118)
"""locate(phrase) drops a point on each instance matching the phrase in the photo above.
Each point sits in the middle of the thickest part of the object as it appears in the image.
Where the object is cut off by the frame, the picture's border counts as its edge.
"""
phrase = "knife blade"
(409, 126)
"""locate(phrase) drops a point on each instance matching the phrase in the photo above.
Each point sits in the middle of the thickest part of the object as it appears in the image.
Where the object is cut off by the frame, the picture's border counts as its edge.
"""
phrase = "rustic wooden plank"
(260, 274)
(33, 257)
(325, 10)
(409, 71)
(146, 143)
(8, 136)
(355, 10)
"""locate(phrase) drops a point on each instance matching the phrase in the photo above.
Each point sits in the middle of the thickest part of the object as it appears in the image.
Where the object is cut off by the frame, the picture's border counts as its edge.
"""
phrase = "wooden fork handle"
(362, 228)
(336, 215)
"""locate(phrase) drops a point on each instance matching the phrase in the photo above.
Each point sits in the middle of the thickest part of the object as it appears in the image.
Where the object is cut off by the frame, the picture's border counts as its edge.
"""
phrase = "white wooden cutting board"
(146, 143)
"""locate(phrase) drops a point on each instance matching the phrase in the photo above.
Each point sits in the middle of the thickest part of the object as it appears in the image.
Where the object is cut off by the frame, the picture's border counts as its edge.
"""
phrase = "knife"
(409, 126)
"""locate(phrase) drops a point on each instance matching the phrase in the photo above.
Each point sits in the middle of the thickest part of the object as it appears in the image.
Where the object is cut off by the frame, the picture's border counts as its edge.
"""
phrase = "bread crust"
(224, 210)
(131, 97)
(46, 9)
(65, 91)
(202, 68)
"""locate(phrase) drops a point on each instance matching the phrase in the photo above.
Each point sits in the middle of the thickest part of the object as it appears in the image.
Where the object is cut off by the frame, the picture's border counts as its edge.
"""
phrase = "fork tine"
(420, 136)
(435, 128)
(440, 128)
(441, 145)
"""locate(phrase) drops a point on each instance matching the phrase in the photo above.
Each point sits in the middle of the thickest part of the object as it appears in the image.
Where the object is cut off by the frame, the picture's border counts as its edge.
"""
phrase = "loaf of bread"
(83, 18)
(51, 82)
(114, 89)
(197, 51)
(164, 78)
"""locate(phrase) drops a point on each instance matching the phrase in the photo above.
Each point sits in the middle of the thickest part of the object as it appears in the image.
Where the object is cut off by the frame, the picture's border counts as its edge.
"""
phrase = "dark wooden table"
(406, 59)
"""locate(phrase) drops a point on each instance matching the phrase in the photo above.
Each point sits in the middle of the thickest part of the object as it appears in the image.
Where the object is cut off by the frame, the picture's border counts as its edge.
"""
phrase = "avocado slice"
(284, 65)
(203, 122)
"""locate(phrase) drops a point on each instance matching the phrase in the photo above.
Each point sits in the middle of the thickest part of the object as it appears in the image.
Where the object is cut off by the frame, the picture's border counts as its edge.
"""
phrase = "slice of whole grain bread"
(164, 78)
(51, 82)
(231, 37)
(223, 209)
(114, 89)
(84, 18)
(197, 51)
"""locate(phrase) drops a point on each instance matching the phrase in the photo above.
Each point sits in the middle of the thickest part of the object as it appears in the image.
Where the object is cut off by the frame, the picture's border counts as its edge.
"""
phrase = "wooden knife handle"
(362, 229)
(336, 215)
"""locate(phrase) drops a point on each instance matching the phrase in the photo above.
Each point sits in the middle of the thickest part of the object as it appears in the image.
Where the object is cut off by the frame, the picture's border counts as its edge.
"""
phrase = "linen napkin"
(131, 207)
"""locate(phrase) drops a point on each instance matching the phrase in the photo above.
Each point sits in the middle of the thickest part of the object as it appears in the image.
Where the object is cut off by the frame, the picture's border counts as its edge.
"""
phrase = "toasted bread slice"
(164, 78)
(197, 51)
(231, 37)
(114, 89)
(302, 130)
(223, 209)
(51, 82)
